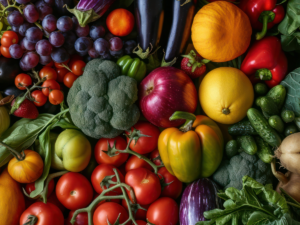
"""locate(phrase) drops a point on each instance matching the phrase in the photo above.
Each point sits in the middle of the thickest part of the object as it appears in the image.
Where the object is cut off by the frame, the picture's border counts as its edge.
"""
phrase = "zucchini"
(232, 148)
(290, 129)
(276, 123)
(262, 127)
(268, 106)
(278, 94)
(261, 88)
(264, 150)
(288, 116)
(242, 128)
(248, 144)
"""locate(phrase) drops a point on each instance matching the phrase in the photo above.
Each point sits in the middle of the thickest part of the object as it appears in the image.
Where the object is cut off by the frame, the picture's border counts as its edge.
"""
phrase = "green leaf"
(291, 21)
(259, 218)
(290, 43)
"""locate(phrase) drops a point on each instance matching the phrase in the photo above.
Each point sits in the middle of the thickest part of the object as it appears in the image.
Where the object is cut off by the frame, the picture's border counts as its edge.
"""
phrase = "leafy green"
(290, 43)
(291, 21)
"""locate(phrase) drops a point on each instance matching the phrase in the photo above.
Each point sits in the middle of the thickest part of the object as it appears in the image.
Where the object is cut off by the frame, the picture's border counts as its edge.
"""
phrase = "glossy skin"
(266, 54)
(134, 162)
(22, 81)
(74, 191)
(49, 84)
(5, 52)
(48, 72)
(69, 79)
(9, 38)
(109, 211)
(56, 97)
(39, 98)
(47, 214)
(120, 22)
(61, 72)
(174, 187)
(78, 67)
(140, 213)
(81, 219)
(141, 222)
(31, 187)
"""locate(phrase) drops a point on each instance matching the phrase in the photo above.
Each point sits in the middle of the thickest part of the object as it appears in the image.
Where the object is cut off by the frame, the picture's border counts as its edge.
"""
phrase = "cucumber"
(262, 127)
(248, 144)
(278, 94)
(268, 106)
(257, 101)
(264, 150)
(297, 122)
(232, 148)
(276, 123)
(290, 129)
(266, 115)
(288, 116)
(242, 128)
(261, 88)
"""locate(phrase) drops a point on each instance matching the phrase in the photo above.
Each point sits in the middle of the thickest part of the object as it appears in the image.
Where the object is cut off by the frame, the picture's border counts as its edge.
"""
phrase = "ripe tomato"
(155, 157)
(145, 145)
(120, 22)
(47, 214)
(73, 59)
(69, 79)
(9, 38)
(102, 157)
(60, 65)
(39, 98)
(22, 81)
(134, 162)
(48, 72)
(50, 84)
(31, 187)
(5, 52)
(140, 222)
(109, 212)
(146, 185)
(140, 214)
(74, 191)
(56, 97)
(102, 171)
(81, 219)
(163, 211)
(61, 72)
(78, 67)
(174, 189)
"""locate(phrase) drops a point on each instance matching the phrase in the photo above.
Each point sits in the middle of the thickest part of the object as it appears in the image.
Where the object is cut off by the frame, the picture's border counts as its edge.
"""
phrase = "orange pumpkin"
(221, 31)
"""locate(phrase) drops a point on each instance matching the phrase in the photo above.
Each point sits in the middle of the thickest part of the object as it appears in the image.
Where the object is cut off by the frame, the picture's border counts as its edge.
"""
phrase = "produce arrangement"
(149, 112)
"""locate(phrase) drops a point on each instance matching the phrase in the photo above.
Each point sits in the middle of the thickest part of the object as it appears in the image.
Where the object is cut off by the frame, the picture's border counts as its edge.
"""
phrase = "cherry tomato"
(74, 191)
(56, 97)
(81, 219)
(140, 214)
(134, 162)
(50, 84)
(31, 187)
(145, 145)
(39, 98)
(5, 52)
(73, 59)
(60, 65)
(47, 214)
(61, 72)
(9, 38)
(78, 67)
(69, 79)
(174, 189)
(53, 199)
(50, 64)
(48, 72)
(109, 212)
(22, 81)
(146, 185)
(102, 171)
(163, 211)
(155, 157)
(140, 222)
(102, 157)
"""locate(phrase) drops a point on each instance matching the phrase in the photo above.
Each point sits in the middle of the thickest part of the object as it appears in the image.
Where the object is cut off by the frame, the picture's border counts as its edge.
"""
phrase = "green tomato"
(72, 151)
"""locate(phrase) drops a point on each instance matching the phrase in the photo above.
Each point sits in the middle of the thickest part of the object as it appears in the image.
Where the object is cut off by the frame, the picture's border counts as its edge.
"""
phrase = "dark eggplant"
(9, 69)
(182, 17)
(198, 197)
(12, 90)
(59, 8)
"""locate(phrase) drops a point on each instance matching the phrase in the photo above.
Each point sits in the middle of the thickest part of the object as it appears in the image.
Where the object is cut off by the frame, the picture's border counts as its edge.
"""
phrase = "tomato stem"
(15, 153)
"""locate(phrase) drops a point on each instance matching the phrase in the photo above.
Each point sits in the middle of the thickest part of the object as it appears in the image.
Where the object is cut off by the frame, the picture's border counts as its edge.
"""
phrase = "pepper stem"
(265, 17)
(188, 117)
(263, 74)
(15, 153)
(280, 176)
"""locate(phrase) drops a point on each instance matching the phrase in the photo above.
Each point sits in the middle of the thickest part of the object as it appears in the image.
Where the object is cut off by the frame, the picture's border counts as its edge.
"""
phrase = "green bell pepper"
(132, 67)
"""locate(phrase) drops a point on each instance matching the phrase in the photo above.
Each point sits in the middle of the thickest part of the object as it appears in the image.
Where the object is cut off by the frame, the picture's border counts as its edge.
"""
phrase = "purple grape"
(4, 2)
(31, 13)
(50, 2)
(22, 44)
(21, 1)
(71, 38)
(39, 3)
(44, 9)
(34, 34)
(15, 29)
(106, 56)
(129, 46)
(108, 36)
(82, 31)
(49, 23)
(44, 60)
(101, 46)
(15, 18)
(97, 31)
(24, 27)
(93, 53)
(56, 39)
(59, 55)
(64, 23)
(29, 61)
(117, 54)
(83, 45)
(30, 46)
(16, 51)
(43, 48)
(115, 44)
(75, 22)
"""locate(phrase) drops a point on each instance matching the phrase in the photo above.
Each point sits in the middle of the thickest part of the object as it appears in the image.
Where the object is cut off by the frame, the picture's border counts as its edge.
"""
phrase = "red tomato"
(174, 189)
(78, 67)
(39, 98)
(50, 64)
(140, 222)
(31, 187)
(163, 211)
(69, 79)
(48, 72)
(5, 52)
(22, 81)
(47, 214)
(140, 213)
(61, 73)
(81, 219)
(102, 157)
(145, 145)
(155, 157)
(134, 162)
(56, 97)
(146, 185)
(53, 199)
(73, 59)
(120, 22)
(109, 211)
(50, 84)
(9, 38)
(60, 65)
(74, 191)
(102, 171)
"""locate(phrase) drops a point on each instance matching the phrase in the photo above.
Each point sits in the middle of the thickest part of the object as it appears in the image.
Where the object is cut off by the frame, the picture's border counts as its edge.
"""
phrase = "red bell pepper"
(266, 61)
(263, 14)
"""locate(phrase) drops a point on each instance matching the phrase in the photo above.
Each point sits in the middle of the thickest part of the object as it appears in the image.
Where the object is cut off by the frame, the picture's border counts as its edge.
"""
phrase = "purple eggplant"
(198, 197)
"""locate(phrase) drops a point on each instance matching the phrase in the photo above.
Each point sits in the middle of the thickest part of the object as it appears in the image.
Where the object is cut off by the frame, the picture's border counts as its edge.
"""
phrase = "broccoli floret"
(231, 172)
(102, 101)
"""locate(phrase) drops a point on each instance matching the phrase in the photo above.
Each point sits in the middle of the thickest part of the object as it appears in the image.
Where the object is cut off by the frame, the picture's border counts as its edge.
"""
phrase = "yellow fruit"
(226, 94)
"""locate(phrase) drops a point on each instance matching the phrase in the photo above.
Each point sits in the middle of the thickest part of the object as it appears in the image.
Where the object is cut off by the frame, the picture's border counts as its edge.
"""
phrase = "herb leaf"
(291, 21)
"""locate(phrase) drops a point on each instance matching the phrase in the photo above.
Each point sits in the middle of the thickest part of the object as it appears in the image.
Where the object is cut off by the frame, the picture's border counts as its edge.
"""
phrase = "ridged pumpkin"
(221, 31)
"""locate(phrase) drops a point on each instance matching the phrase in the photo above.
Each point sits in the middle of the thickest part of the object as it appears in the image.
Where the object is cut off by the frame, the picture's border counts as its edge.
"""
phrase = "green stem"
(265, 20)
(189, 117)
(293, 204)
(263, 74)
(15, 153)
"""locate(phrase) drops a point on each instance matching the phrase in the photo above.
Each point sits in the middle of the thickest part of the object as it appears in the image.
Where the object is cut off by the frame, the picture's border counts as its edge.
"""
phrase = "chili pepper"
(132, 67)
(266, 61)
(263, 14)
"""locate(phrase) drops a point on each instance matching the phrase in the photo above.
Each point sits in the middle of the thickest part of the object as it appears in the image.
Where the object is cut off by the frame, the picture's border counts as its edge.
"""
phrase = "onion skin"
(292, 187)
(164, 91)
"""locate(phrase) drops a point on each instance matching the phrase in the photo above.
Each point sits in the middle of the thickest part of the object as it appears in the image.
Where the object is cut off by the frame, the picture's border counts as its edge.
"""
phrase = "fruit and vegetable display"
(149, 112)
